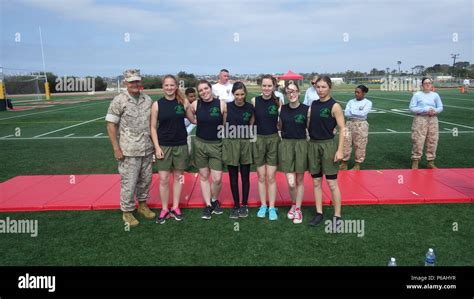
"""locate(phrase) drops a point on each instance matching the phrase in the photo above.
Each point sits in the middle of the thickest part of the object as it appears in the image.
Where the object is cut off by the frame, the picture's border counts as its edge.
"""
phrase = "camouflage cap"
(132, 75)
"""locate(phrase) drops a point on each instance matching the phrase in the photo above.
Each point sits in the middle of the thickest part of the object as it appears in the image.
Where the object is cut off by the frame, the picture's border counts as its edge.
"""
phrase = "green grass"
(94, 155)
(98, 237)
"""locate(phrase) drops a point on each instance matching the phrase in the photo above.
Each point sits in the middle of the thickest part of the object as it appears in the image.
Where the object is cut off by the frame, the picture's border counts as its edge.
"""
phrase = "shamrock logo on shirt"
(246, 116)
(214, 111)
(272, 110)
(299, 118)
(179, 109)
(325, 112)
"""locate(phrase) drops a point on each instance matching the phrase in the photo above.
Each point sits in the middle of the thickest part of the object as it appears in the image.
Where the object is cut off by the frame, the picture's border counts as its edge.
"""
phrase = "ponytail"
(177, 94)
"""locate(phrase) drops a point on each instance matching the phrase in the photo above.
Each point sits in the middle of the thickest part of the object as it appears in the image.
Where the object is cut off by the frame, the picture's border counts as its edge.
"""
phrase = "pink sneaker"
(176, 214)
(164, 214)
(298, 217)
(291, 212)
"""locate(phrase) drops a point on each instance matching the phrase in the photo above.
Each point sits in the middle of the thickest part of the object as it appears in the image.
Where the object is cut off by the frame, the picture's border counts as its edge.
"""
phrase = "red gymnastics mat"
(102, 191)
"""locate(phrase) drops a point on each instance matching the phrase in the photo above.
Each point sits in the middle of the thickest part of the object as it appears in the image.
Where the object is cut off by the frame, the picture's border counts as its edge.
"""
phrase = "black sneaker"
(234, 213)
(316, 220)
(176, 214)
(206, 214)
(243, 211)
(161, 219)
(216, 207)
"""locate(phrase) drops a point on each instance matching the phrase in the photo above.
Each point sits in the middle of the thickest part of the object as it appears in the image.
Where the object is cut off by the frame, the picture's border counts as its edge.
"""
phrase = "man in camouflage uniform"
(128, 126)
(357, 134)
(426, 105)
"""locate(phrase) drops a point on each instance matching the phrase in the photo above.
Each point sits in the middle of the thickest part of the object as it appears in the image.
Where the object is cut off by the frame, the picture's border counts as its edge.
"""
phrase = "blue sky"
(88, 37)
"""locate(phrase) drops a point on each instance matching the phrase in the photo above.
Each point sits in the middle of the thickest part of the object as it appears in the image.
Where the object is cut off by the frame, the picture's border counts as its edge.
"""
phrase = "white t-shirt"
(223, 91)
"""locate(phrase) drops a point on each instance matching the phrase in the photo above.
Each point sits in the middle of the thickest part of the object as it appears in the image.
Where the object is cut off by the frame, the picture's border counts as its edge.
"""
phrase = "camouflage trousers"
(424, 132)
(357, 135)
(135, 179)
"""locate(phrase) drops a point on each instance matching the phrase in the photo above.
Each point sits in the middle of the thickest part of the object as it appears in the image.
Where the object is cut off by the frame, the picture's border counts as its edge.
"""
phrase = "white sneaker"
(291, 212)
(298, 216)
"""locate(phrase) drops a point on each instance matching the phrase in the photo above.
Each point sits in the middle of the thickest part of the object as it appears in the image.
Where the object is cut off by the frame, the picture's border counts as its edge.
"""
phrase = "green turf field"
(71, 139)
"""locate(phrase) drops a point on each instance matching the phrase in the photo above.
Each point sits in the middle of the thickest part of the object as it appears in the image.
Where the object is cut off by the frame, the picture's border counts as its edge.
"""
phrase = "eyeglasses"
(291, 91)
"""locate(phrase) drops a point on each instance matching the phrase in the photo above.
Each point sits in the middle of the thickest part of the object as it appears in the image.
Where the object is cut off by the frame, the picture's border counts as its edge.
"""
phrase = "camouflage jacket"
(133, 118)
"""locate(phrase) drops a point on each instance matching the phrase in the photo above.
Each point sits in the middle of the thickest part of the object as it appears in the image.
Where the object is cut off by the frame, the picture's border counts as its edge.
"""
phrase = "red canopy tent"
(290, 76)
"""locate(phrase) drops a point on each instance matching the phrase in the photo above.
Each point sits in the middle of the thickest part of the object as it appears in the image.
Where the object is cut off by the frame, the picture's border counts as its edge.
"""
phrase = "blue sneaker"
(262, 212)
(272, 214)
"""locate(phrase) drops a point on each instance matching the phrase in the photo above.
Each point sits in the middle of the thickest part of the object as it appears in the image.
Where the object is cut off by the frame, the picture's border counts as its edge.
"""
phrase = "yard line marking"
(52, 110)
(409, 132)
(393, 131)
(69, 135)
(468, 100)
(68, 127)
(404, 101)
(26, 101)
(106, 137)
(56, 138)
(440, 121)
(409, 115)
(7, 136)
(98, 135)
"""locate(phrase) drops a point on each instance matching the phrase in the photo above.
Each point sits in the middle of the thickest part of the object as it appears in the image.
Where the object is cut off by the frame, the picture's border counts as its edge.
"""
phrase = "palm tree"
(399, 63)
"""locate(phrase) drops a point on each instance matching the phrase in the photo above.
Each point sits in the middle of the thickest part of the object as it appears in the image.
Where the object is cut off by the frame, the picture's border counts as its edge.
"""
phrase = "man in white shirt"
(223, 88)
(467, 84)
(311, 94)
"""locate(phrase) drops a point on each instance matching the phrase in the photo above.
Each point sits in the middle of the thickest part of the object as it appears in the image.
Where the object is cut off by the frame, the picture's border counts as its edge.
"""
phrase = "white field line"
(390, 130)
(27, 101)
(6, 136)
(69, 135)
(52, 110)
(409, 132)
(68, 127)
(404, 101)
(440, 121)
(409, 115)
(443, 95)
(98, 135)
(106, 137)
(460, 99)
